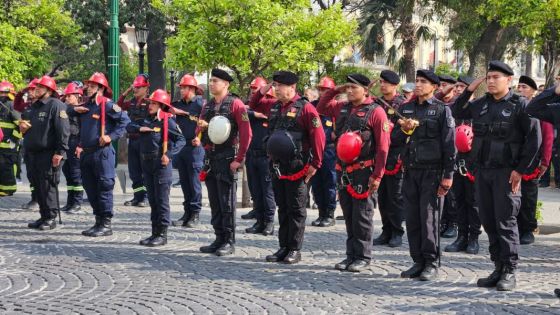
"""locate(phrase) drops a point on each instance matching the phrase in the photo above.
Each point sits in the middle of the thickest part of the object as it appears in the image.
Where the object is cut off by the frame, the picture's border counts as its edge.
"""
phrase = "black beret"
(285, 77)
(530, 82)
(428, 75)
(221, 74)
(499, 66)
(465, 79)
(357, 78)
(390, 77)
(447, 78)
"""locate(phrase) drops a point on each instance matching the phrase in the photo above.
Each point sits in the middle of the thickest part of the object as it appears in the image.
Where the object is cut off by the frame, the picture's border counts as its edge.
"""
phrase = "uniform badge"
(316, 123)
(386, 126)
(291, 114)
(157, 129)
(95, 116)
(506, 112)
(245, 117)
(431, 112)
(408, 111)
(117, 108)
(450, 122)
(63, 114)
(390, 111)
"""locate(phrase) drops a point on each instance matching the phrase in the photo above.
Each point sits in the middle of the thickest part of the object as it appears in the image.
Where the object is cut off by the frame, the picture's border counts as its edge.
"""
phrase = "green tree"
(254, 37)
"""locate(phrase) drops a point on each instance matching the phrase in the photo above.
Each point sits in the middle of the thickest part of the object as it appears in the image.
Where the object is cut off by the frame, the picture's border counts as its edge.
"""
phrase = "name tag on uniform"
(328, 123)
(431, 112)
(408, 111)
(95, 116)
(157, 129)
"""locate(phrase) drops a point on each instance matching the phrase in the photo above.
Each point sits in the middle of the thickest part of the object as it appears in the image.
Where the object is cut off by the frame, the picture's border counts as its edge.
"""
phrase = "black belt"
(425, 166)
(150, 155)
(91, 149)
(229, 154)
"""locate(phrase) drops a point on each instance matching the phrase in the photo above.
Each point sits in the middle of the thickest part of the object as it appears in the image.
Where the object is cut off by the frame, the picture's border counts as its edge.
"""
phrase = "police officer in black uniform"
(46, 130)
(506, 141)
(429, 133)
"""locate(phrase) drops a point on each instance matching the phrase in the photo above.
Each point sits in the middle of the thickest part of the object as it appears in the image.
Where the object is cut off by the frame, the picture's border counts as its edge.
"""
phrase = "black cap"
(390, 77)
(499, 66)
(447, 78)
(285, 77)
(530, 82)
(428, 75)
(465, 79)
(221, 74)
(357, 78)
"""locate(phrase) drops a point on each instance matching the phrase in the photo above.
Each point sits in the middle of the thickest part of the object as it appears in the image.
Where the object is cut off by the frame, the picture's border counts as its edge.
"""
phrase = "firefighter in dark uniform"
(546, 107)
(506, 142)
(137, 109)
(226, 137)
(428, 130)
(259, 177)
(9, 145)
(46, 130)
(390, 198)
(323, 184)
(295, 146)
(527, 217)
(190, 159)
(73, 97)
(101, 122)
(160, 139)
(362, 136)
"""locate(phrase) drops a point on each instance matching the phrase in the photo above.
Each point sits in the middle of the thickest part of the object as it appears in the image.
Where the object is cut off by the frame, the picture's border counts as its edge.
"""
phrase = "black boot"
(74, 209)
(31, 205)
(343, 265)
(358, 265)
(493, 278)
(293, 257)
(145, 241)
(317, 221)
(193, 221)
(103, 228)
(161, 237)
(396, 240)
(181, 220)
(459, 245)
(268, 228)
(450, 232)
(557, 292)
(414, 271)
(473, 247)
(526, 238)
(91, 229)
(36, 224)
(278, 256)
(328, 219)
(430, 271)
(383, 238)
(210, 249)
(257, 228)
(227, 248)
(507, 280)
(48, 224)
(249, 215)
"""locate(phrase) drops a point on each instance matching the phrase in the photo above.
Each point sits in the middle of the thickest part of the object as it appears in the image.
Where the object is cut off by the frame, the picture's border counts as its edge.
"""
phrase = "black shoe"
(473, 247)
(395, 241)
(65, 208)
(91, 229)
(160, 238)
(226, 249)
(102, 229)
(327, 221)
(339, 217)
(429, 273)
(343, 265)
(450, 232)
(414, 271)
(145, 241)
(36, 224)
(49, 224)
(193, 221)
(32, 205)
(176, 185)
(136, 203)
(73, 209)
(507, 280)
(268, 228)
(293, 257)
(130, 202)
(382, 239)
(358, 265)
(317, 221)
(442, 228)
(210, 249)
(249, 215)
(459, 245)
(557, 292)
(527, 238)
(257, 228)
(182, 220)
(278, 256)
(492, 280)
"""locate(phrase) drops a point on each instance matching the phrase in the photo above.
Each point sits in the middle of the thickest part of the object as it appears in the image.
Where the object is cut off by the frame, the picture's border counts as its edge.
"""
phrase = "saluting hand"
(81, 109)
(265, 89)
(515, 181)
(475, 84)
(341, 88)
(310, 172)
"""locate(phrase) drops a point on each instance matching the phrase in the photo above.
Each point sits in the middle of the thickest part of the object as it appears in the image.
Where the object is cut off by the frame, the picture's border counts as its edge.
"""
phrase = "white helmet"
(219, 129)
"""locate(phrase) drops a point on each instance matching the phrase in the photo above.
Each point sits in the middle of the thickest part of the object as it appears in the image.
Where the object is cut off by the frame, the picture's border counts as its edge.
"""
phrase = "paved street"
(62, 272)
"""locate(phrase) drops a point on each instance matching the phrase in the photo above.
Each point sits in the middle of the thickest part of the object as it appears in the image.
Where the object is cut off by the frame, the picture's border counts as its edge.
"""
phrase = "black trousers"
(222, 187)
(158, 183)
(45, 180)
(527, 217)
(450, 209)
(260, 186)
(498, 213)
(467, 209)
(391, 203)
(291, 199)
(422, 219)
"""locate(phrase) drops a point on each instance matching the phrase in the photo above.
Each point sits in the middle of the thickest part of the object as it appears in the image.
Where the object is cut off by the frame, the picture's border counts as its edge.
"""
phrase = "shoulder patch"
(63, 114)
(450, 122)
(316, 123)
(245, 116)
(386, 126)
(117, 108)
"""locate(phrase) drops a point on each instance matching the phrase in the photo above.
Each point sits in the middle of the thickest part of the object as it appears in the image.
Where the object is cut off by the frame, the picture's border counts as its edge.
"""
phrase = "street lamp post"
(141, 38)
(172, 81)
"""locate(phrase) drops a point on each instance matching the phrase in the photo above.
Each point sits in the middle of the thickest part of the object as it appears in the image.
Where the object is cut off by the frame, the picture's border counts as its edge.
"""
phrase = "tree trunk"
(487, 48)
(409, 43)
(156, 53)
(529, 59)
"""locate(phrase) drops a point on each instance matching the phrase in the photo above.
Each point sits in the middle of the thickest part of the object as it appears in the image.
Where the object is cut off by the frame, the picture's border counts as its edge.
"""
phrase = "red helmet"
(6, 87)
(47, 82)
(161, 97)
(141, 81)
(258, 82)
(100, 79)
(33, 83)
(73, 88)
(349, 147)
(326, 83)
(188, 80)
(463, 138)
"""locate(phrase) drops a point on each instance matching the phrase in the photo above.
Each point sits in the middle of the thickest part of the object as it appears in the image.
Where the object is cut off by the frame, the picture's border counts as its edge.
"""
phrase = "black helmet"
(281, 146)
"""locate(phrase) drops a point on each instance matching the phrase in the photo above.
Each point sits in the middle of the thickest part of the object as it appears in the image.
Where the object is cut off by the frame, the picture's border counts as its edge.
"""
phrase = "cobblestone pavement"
(62, 272)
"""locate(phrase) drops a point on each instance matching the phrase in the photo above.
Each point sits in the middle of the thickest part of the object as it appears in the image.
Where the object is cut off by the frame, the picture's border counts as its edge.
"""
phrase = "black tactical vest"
(288, 121)
(138, 112)
(357, 121)
(224, 110)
